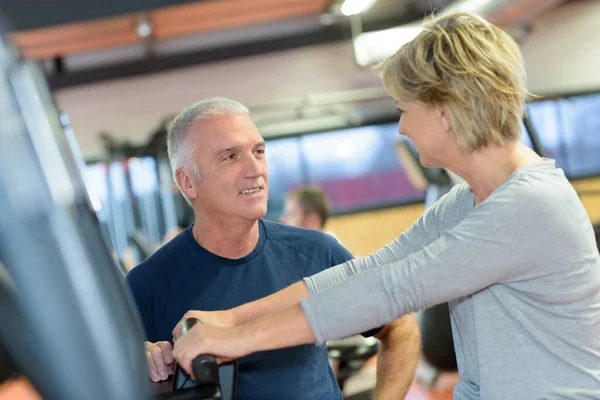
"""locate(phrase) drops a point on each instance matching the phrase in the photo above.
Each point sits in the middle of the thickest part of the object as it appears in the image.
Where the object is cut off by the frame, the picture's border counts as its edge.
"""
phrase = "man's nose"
(255, 167)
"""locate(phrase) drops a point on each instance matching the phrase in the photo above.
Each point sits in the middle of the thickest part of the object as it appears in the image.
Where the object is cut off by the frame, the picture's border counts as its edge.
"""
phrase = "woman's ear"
(444, 116)
(185, 182)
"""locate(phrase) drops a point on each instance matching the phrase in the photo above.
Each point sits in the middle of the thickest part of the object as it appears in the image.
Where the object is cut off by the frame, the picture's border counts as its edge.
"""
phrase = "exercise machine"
(69, 324)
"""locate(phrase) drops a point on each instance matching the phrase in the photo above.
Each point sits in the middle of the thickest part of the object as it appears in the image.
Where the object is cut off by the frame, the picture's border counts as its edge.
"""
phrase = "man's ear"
(443, 113)
(186, 181)
(313, 220)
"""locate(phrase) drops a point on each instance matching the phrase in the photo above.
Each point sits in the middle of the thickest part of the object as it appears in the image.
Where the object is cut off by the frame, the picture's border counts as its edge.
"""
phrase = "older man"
(231, 256)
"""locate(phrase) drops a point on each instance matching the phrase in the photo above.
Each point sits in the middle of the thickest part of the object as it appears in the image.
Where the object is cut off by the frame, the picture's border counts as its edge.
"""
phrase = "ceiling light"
(353, 7)
(144, 27)
(372, 47)
(345, 150)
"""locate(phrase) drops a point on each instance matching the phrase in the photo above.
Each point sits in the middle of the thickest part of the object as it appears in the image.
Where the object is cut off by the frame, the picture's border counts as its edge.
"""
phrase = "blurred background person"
(307, 207)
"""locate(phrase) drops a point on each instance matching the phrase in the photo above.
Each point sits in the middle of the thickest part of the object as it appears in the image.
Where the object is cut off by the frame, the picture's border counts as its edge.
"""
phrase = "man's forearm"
(397, 358)
(276, 302)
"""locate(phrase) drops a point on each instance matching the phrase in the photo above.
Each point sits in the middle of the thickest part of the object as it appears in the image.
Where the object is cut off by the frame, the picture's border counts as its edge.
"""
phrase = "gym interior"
(89, 92)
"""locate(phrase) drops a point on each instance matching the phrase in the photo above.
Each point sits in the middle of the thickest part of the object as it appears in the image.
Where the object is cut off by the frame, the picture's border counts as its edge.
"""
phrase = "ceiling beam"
(155, 64)
(165, 23)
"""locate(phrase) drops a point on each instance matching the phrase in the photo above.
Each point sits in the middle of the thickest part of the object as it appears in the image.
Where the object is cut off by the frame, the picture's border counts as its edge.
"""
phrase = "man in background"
(307, 207)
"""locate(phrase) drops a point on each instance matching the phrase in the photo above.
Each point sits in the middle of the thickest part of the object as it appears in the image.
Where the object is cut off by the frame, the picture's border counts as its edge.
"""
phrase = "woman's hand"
(224, 343)
(222, 319)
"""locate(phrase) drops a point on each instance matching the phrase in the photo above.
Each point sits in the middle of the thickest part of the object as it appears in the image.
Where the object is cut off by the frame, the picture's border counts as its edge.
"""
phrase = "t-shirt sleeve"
(339, 254)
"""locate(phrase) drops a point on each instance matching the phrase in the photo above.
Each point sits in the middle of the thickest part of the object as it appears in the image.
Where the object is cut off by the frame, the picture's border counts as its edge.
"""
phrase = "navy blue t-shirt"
(183, 276)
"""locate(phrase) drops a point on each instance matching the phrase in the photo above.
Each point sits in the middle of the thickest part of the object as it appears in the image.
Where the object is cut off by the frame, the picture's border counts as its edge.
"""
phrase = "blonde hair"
(469, 65)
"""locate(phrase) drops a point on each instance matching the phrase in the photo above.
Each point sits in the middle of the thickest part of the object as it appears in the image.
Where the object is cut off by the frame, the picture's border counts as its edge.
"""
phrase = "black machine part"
(209, 379)
(69, 322)
(205, 368)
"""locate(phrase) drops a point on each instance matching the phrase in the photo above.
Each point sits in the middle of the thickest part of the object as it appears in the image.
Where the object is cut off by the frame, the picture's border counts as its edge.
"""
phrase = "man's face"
(293, 214)
(230, 154)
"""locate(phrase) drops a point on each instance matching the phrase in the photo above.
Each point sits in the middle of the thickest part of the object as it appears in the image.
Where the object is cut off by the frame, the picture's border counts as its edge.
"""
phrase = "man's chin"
(255, 213)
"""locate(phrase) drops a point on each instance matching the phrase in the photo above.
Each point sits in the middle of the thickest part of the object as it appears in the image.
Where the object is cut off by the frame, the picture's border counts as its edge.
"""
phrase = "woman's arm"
(247, 312)
(268, 305)
(284, 328)
(504, 239)
(437, 219)
(423, 232)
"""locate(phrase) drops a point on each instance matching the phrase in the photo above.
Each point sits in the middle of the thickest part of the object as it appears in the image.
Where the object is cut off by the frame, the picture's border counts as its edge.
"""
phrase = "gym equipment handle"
(204, 367)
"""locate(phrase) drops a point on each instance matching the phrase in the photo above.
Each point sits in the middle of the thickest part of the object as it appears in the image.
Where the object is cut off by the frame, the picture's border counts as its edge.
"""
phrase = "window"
(95, 182)
(285, 172)
(544, 118)
(581, 134)
(569, 131)
(357, 168)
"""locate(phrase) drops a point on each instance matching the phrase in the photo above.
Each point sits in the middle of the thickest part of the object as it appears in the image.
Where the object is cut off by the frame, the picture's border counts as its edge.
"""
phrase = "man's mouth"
(251, 191)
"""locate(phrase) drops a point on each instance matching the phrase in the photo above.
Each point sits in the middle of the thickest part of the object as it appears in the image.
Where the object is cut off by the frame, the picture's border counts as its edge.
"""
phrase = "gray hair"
(180, 151)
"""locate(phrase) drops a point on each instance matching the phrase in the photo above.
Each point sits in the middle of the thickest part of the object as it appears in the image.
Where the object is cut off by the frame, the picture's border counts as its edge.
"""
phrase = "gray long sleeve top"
(521, 273)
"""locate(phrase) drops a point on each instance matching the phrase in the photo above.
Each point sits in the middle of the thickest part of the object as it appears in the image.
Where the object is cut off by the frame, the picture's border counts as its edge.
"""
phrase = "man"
(230, 256)
(306, 207)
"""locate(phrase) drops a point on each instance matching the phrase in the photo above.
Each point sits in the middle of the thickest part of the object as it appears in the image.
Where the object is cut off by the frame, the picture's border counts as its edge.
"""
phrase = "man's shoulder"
(160, 260)
(299, 237)
(312, 243)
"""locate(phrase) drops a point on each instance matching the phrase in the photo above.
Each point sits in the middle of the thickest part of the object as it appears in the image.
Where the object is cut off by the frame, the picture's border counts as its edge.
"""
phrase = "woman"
(511, 249)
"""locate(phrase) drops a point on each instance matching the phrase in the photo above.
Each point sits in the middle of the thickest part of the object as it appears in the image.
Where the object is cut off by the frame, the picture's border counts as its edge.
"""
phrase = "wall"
(366, 232)
(591, 202)
(562, 53)
(132, 108)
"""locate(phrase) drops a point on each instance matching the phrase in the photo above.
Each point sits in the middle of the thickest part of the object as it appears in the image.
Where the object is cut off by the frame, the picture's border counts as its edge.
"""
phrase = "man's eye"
(229, 157)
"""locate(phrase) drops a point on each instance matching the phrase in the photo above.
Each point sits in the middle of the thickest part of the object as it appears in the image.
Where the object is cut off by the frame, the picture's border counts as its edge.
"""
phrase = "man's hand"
(222, 319)
(224, 343)
(159, 356)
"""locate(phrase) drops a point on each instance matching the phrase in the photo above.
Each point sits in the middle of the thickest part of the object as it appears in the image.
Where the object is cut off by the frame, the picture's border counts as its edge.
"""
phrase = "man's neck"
(227, 238)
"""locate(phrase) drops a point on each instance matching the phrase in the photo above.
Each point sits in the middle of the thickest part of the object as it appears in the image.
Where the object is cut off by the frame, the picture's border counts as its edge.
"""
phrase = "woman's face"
(429, 129)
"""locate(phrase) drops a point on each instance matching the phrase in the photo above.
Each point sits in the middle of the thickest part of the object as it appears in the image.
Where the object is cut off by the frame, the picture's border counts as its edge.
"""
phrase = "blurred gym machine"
(68, 322)
(142, 201)
(434, 322)
(351, 354)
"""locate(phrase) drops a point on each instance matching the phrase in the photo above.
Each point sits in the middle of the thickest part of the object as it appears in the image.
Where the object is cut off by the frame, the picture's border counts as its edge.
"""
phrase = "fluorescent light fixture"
(345, 150)
(353, 7)
(372, 47)
(481, 7)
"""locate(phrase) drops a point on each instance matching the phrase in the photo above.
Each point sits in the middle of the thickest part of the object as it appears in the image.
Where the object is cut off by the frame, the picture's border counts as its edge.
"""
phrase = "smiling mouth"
(251, 191)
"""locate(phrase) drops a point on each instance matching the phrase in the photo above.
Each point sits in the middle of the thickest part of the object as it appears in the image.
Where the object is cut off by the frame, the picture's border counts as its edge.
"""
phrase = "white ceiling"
(132, 108)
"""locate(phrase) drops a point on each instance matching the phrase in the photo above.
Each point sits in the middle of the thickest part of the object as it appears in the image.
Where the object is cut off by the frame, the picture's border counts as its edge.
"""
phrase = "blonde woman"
(511, 249)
